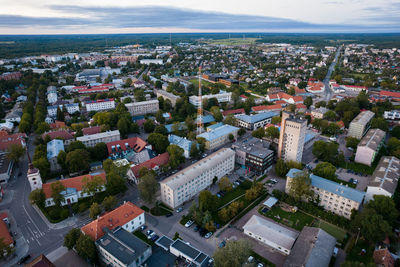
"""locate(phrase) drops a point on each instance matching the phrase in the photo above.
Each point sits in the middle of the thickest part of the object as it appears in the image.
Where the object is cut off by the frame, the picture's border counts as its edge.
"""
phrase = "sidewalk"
(71, 221)
(8, 196)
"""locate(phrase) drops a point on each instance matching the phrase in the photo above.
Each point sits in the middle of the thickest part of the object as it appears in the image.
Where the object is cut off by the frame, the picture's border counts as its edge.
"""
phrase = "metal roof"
(257, 117)
(219, 132)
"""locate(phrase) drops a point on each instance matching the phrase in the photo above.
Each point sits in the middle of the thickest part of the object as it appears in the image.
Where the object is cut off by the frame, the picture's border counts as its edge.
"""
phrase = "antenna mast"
(200, 108)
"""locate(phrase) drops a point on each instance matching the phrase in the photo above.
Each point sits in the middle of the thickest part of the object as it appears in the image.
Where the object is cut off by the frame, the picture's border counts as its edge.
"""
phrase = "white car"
(189, 223)
(333, 139)
(208, 235)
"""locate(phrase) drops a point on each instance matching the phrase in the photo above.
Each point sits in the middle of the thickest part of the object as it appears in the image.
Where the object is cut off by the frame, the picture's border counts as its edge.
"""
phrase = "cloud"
(167, 17)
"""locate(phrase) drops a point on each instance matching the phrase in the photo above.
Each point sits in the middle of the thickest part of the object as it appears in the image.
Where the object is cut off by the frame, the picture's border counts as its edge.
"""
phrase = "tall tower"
(34, 178)
(200, 108)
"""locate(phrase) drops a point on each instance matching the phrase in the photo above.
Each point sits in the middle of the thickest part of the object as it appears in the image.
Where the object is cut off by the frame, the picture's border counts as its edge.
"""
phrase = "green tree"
(330, 115)
(308, 101)
(159, 142)
(5, 248)
(99, 151)
(230, 119)
(259, 133)
(61, 159)
(176, 156)
(42, 127)
(43, 165)
(60, 114)
(148, 187)
(37, 197)
(149, 126)
(272, 132)
(124, 126)
(241, 132)
(75, 145)
(207, 201)
(15, 152)
(116, 181)
(326, 151)
(300, 186)
(194, 151)
(235, 253)
(281, 169)
(78, 160)
(396, 132)
(216, 113)
(325, 170)
(159, 117)
(109, 203)
(224, 184)
(56, 189)
(276, 120)
(94, 210)
(86, 248)
(384, 206)
(372, 225)
(380, 123)
(352, 142)
(72, 237)
(93, 185)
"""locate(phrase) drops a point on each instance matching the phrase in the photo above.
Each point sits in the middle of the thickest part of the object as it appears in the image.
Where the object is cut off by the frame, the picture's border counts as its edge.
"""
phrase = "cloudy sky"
(148, 16)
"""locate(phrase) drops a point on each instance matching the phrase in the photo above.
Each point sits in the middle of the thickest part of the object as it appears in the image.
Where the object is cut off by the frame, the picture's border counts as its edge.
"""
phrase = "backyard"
(296, 220)
(331, 229)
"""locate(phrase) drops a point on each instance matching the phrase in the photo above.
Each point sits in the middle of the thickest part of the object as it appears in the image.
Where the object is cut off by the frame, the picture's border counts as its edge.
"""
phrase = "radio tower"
(200, 108)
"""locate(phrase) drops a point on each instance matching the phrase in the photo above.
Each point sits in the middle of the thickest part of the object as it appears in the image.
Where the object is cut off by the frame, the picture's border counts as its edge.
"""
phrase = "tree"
(352, 142)
(61, 159)
(5, 249)
(56, 189)
(300, 186)
(230, 119)
(15, 152)
(396, 132)
(308, 101)
(384, 206)
(124, 126)
(241, 132)
(372, 225)
(43, 165)
(176, 156)
(94, 210)
(194, 151)
(116, 181)
(99, 151)
(330, 115)
(60, 114)
(159, 142)
(159, 117)
(149, 126)
(160, 129)
(235, 253)
(75, 145)
(216, 113)
(325, 170)
(380, 123)
(326, 151)
(72, 237)
(272, 132)
(320, 104)
(109, 203)
(207, 201)
(86, 248)
(37, 197)
(259, 133)
(291, 91)
(148, 187)
(224, 184)
(93, 185)
(280, 168)
(78, 160)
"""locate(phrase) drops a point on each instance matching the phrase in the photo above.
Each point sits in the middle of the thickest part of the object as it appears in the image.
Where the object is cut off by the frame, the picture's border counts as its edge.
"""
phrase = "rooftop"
(97, 136)
(219, 132)
(160, 160)
(373, 139)
(191, 252)
(54, 147)
(257, 117)
(135, 143)
(364, 117)
(386, 174)
(182, 142)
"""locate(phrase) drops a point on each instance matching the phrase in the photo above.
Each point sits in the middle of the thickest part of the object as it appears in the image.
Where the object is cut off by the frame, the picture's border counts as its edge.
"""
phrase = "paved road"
(328, 92)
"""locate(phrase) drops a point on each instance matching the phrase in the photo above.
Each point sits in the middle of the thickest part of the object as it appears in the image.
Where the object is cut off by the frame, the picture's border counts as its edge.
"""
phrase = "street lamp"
(358, 234)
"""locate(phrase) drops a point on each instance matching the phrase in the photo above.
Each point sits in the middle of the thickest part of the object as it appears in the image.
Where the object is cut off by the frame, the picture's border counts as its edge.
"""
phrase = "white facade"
(142, 108)
(105, 137)
(151, 61)
(392, 115)
(52, 97)
(221, 97)
(182, 186)
(99, 105)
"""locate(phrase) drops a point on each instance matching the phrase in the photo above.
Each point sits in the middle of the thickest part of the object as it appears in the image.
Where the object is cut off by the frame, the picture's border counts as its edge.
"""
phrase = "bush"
(83, 206)
(54, 213)
(64, 213)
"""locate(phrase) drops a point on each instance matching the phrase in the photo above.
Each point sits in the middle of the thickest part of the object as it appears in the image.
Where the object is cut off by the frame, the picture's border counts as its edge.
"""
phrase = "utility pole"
(200, 108)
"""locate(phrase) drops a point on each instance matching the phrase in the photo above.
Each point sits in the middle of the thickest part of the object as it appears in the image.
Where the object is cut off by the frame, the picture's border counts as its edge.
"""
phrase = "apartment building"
(104, 137)
(334, 197)
(182, 142)
(222, 97)
(142, 108)
(292, 136)
(52, 97)
(253, 122)
(99, 105)
(70, 108)
(187, 183)
(219, 136)
(384, 179)
(166, 95)
(361, 124)
(54, 147)
(319, 113)
(369, 146)
(254, 154)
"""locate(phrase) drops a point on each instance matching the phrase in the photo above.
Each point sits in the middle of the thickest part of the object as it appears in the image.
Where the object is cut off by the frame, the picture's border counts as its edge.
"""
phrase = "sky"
(165, 16)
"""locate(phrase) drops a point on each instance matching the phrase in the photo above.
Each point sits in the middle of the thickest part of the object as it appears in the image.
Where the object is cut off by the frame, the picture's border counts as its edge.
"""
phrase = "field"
(296, 220)
(196, 82)
(234, 41)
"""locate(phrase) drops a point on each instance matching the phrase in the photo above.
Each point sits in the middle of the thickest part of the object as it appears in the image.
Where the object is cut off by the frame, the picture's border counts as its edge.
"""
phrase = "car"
(355, 181)
(274, 181)
(150, 236)
(196, 228)
(202, 232)
(335, 251)
(351, 180)
(350, 148)
(154, 238)
(219, 195)
(143, 227)
(169, 214)
(234, 186)
(332, 138)
(260, 265)
(149, 232)
(189, 223)
(236, 183)
(208, 235)
(222, 244)
(24, 259)
(179, 209)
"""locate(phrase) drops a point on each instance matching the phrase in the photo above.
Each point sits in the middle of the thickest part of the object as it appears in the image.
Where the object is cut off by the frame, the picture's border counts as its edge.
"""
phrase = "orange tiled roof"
(160, 160)
(75, 182)
(4, 233)
(117, 217)
(297, 98)
(57, 125)
(3, 133)
(137, 143)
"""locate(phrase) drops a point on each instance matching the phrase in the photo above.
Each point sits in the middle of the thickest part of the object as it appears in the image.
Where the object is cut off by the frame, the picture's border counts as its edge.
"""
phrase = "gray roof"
(164, 242)
(219, 132)
(122, 245)
(373, 139)
(270, 202)
(364, 117)
(386, 174)
(313, 248)
(330, 186)
(253, 146)
(189, 251)
(257, 117)
(182, 142)
(54, 147)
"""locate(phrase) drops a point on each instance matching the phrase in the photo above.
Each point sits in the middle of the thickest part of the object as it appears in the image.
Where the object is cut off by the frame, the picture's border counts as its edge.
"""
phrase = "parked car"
(24, 259)
(189, 223)
(222, 244)
(355, 181)
(351, 180)
(335, 251)
(149, 232)
(143, 227)
(332, 138)
(150, 236)
(260, 265)
(219, 195)
(169, 214)
(179, 209)
(196, 228)
(274, 181)
(208, 235)
(154, 238)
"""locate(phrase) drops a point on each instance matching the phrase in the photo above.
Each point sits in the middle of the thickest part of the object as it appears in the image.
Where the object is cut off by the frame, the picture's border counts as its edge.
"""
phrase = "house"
(54, 147)
(127, 216)
(73, 189)
(118, 247)
(103, 137)
(184, 250)
(118, 149)
(270, 202)
(266, 108)
(313, 248)
(7, 126)
(8, 140)
(319, 113)
(57, 125)
(99, 105)
(369, 146)
(152, 164)
(271, 234)
(5, 234)
(60, 134)
(383, 258)
(182, 142)
(233, 112)
(91, 130)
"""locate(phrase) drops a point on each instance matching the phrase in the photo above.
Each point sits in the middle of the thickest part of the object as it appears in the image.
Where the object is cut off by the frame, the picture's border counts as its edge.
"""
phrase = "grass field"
(296, 220)
(234, 41)
(196, 82)
(334, 231)
(234, 193)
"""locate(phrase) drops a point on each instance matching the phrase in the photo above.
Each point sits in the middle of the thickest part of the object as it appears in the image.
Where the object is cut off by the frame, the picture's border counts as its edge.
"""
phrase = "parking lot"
(345, 175)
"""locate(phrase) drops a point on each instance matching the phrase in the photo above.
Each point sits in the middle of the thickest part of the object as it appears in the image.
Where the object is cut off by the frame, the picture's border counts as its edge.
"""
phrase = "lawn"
(143, 237)
(296, 220)
(359, 168)
(356, 255)
(333, 230)
(160, 210)
(234, 193)
(203, 82)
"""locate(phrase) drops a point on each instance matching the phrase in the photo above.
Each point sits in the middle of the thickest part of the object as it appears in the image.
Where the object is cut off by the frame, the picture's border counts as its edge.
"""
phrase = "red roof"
(273, 96)
(75, 182)
(3, 215)
(390, 94)
(160, 160)
(282, 95)
(233, 111)
(57, 125)
(340, 124)
(91, 130)
(243, 96)
(40, 261)
(297, 98)
(58, 134)
(298, 90)
(3, 133)
(6, 141)
(5, 234)
(383, 257)
(117, 217)
(280, 102)
(259, 108)
(137, 143)
(301, 105)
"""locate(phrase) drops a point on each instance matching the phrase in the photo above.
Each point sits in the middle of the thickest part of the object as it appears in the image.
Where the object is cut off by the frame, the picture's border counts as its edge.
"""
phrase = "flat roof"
(364, 117)
(373, 138)
(186, 249)
(386, 174)
(257, 117)
(97, 136)
(219, 132)
(164, 242)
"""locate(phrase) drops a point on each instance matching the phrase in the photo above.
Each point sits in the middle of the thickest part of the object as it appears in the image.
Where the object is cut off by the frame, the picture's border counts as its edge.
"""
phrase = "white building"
(369, 146)
(104, 137)
(52, 97)
(54, 147)
(70, 108)
(184, 185)
(271, 234)
(142, 108)
(99, 105)
(222, 97)
(151, 61)
(392, 115)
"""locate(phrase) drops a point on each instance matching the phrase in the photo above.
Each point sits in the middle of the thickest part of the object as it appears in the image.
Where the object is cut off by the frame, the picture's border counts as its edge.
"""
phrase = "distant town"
(201, 153)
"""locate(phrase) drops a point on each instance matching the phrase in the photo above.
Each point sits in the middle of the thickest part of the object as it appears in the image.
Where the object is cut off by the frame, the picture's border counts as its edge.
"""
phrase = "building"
(254, 154)
(361, 124)
(219, 136)
(334, 197)
(185, 184)
(70, 108)
(142, 108)
(222, 97)
(151, 61)
(233, 112)
(313, 248)
(152, 164)
(40, 261)
(270, 233)
(182, 142)
(91, 130)
(14, 116)
(119, 248)
(119, 149)
(62, 134)
(228, 82)
(54, 147)
(99, 105)
(5, 234)
(292, 136)
(74, 189)
(385, 178)
(8, 140)
(128, 216)
(104, 137)
(182, 249)
(253, 122)
(166, 95)
(34, 178)
(383, 258)
(6, 168)
(319, 113)
(369, 146)
(392, 115)
(52, 97)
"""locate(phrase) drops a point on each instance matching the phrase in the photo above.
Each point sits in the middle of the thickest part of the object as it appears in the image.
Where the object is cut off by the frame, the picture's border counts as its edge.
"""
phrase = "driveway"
(362, 180)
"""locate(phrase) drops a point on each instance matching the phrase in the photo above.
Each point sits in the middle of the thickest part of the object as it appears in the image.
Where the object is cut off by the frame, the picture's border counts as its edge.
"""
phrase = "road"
(328, 93)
